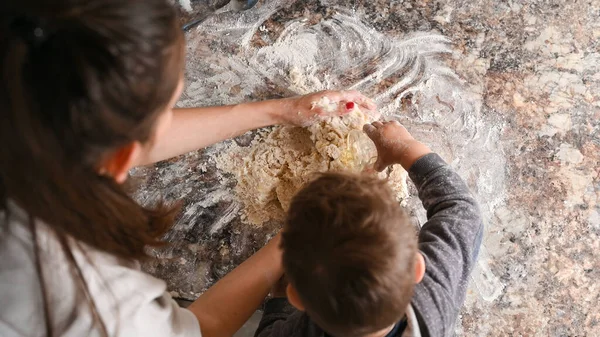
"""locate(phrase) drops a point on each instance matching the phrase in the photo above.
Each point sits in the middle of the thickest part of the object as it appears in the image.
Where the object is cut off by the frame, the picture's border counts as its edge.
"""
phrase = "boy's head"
(350, 254)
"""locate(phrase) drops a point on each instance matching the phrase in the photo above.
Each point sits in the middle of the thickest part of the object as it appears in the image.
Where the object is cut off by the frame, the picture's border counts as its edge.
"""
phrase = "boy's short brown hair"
(349, 251)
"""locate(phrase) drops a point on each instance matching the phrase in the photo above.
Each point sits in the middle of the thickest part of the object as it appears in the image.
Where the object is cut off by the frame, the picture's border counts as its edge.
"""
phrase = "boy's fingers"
(372, 133)
(370, 130)
(379, 166)
(377, 124)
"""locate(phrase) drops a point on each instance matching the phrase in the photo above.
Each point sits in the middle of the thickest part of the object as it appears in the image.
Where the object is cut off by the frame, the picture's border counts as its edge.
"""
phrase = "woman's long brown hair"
(80, 79)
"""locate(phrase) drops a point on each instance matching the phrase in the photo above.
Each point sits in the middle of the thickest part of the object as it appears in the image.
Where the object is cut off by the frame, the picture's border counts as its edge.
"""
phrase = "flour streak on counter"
(256, 55)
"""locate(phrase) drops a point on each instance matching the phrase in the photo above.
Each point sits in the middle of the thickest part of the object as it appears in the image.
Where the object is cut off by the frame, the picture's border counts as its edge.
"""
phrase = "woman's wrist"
(278, 109)
(266, 113)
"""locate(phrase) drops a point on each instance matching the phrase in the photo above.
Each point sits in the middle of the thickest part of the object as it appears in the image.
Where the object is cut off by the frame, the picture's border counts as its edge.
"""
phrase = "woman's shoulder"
(21, 291)
(122, 294)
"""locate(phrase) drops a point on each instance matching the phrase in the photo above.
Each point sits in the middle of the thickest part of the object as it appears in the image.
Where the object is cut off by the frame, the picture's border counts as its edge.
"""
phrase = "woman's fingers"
(324, 104)
(346, 107)
(379, 166)
(352, 96)
(362, 100)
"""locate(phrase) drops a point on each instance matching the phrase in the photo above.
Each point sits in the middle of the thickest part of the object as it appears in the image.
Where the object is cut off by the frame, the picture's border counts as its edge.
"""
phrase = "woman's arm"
(227, 305)
(195, 128)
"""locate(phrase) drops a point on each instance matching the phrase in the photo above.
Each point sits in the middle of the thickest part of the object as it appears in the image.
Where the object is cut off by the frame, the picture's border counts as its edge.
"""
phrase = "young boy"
(354, 264)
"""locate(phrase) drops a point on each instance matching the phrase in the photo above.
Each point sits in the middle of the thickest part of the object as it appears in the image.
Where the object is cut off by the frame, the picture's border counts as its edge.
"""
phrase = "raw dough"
(278, 163)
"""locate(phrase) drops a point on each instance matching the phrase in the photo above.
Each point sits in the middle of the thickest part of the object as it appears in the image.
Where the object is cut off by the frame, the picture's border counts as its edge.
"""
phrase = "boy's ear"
(419, 268)
(118, 163)
(293, 297)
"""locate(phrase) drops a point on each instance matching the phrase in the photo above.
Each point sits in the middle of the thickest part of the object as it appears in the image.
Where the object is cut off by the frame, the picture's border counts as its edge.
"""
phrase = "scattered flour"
(567, 154)
(186, 5)
(279, 162)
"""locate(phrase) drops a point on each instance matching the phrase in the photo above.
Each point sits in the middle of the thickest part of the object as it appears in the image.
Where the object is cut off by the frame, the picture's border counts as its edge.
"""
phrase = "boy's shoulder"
(281, 319)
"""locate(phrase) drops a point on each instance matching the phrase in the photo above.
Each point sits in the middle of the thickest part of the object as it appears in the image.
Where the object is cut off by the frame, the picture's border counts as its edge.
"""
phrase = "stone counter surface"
(508, 92)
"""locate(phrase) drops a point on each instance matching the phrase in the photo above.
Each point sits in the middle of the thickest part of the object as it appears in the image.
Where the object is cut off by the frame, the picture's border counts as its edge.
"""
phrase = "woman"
(88, 89)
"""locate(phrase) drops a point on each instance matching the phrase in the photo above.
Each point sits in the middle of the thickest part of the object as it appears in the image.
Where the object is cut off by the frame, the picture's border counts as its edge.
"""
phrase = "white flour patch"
(293, 49)
(578, 185)
(559, 123)
(567, 154)
(227, 216)
(186, 5)
(594, 219)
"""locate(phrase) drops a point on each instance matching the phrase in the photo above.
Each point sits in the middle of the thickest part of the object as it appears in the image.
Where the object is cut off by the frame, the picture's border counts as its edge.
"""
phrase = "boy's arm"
(449, 242)
(450, 239)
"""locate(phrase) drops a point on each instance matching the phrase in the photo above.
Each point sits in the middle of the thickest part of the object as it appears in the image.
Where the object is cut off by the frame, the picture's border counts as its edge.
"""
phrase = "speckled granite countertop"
(507, 91)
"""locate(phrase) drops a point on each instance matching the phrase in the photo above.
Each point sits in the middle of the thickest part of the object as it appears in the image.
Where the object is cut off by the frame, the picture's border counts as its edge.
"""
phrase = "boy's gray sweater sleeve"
(449, 242)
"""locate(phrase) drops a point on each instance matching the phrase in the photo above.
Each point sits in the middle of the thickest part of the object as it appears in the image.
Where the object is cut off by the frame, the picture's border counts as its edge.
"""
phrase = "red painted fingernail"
(350, 105)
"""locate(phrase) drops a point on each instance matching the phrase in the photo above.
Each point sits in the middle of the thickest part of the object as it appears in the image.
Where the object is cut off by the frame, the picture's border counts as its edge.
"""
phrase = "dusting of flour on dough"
(279, 162)
(326, 105)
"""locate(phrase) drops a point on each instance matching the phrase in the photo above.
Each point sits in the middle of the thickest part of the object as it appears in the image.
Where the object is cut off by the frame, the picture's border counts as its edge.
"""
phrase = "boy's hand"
(395, 145)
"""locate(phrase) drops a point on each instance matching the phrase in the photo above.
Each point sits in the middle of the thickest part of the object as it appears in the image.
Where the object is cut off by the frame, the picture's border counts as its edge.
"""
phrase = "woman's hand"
(194, 128)
(307, 109)
(395, 145)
